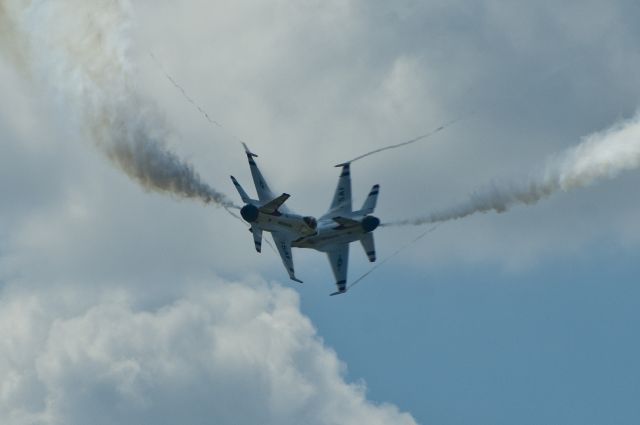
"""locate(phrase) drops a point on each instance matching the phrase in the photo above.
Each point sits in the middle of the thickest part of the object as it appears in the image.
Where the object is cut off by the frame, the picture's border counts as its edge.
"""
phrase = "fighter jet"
(331, 233)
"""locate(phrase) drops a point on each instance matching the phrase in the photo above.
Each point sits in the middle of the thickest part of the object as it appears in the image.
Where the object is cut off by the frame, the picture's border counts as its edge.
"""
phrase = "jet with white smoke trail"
(80, 49)
(598, 156)
(332, 233)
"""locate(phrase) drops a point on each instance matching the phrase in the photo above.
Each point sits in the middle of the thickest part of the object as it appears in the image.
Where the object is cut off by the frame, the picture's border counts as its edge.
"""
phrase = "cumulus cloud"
(224, 353)
(306, 86)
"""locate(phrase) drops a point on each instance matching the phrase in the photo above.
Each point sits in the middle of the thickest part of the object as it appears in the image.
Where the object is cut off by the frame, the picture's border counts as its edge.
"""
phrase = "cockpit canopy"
(311, 222)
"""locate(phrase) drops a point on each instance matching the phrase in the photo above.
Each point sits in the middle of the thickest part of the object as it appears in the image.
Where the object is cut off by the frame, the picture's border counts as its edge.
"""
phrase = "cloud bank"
(74, 354)
(321, 84)
(224, 353)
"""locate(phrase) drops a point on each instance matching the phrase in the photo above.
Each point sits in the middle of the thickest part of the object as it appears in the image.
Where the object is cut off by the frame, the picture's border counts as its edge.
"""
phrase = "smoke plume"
(598, 156)
(79, 48)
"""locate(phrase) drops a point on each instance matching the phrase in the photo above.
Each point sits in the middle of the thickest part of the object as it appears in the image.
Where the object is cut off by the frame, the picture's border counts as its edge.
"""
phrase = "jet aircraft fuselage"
(331, 233)
(328, 234)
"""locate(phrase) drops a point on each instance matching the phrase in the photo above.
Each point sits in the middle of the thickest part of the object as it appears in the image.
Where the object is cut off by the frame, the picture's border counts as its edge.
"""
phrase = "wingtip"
(342, 287)
(248, 151)
(295, 279)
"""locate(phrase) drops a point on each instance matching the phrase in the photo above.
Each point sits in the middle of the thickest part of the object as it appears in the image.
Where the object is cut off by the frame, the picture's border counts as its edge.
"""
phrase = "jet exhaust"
(249, 213)
(370, 223)
(80, 48)
(601, 155)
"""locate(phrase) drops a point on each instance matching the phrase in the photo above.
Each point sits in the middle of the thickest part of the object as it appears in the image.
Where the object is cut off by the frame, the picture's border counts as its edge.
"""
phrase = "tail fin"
(249, 153)
(243, 194)
(370, 203)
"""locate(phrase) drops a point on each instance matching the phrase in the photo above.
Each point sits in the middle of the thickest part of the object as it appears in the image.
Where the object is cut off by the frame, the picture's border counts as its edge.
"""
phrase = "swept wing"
(283, 243)
(339, 259)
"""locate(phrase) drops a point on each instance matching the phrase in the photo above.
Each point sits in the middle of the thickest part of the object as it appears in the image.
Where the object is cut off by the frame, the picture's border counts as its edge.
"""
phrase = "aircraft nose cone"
(249, 213)
(370, 223)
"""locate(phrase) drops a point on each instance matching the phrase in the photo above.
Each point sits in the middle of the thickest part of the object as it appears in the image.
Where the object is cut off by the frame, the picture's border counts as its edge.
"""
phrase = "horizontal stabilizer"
(273, 205)
(369, 246)
(339, 259)
(257, 237)
(338, 293)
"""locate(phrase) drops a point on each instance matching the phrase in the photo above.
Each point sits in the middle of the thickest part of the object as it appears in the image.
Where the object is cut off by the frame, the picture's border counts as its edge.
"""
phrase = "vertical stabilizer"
(341, 203)
(370, 203)
(243, 194)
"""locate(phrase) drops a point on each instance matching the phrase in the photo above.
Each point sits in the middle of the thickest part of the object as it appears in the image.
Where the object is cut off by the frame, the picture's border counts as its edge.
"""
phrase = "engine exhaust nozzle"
(249, 213)
(370, 223)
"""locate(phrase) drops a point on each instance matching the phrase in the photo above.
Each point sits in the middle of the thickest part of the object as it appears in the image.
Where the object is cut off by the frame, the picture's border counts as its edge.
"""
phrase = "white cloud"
(236, 353)
(540, 76)
(311, 86)
(307, 86)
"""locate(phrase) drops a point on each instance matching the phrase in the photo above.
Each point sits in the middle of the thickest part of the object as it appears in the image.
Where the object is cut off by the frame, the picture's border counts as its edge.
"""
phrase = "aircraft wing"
(339, 259)
(341, 203)
(284, 248)
(264, 192)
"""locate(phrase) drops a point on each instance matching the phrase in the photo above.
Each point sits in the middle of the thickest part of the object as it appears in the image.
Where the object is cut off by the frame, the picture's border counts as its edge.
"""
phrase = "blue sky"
(149, 307)
(556, 344)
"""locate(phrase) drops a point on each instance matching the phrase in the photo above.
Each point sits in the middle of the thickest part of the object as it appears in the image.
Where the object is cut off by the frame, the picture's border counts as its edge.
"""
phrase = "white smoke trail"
(415, 139)
(600, 155)
(12, 41)
(79, 48)
(484, 108)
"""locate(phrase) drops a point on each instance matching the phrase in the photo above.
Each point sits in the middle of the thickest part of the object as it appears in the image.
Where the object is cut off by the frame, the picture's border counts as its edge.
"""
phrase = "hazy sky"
(120, 304)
